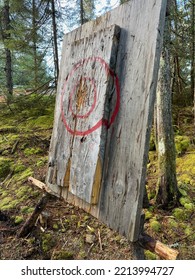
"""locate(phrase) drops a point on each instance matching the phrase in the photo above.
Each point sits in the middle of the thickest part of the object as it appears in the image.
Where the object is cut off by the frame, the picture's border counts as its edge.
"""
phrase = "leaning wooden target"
(103, 114)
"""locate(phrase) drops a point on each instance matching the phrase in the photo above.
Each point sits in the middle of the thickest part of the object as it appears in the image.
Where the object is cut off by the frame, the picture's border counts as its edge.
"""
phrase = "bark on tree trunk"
(193, 56)
(34, 35)
(82, 19)
(56, 60)
(167, 186)
(8, 57)
(167, 192)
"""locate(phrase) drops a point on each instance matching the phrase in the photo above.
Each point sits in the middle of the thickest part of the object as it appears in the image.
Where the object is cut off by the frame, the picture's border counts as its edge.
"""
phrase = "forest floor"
(67, 232)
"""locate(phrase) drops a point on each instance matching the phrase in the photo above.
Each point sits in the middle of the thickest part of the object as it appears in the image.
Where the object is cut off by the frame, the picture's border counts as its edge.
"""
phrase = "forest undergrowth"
(67, 232)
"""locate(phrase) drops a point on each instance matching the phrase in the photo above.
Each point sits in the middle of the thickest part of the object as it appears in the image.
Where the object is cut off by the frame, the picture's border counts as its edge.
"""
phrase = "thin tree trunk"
(34, 39)
(167, 186)
(82, 18)
(56, 60)
(8, 57)
(193, 56)
(167, 192)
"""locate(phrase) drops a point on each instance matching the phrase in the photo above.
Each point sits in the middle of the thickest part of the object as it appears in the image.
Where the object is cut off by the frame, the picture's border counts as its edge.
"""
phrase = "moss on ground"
(182, 144)
(62, 255)
(5, 167)
(186, 169)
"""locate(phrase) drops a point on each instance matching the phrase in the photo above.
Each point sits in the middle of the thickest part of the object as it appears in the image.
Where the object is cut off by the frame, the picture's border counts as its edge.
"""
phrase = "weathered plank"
(127, 140)
(86, 88)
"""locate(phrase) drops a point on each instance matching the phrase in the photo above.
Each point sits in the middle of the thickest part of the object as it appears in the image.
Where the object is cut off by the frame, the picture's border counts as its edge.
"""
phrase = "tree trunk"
(167, 193)
(193, 55)
(167, 186)
(82, 13)
(34, 39)
(56, 60)
(8, 57)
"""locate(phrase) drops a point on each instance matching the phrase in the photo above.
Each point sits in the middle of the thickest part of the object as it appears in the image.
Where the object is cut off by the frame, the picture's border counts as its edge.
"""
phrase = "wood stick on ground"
(42, 186)
(30, 223)
(163, 251)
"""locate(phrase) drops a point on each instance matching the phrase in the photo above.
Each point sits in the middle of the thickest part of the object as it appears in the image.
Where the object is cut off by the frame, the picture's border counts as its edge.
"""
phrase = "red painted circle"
(101, 121)
(94, 102)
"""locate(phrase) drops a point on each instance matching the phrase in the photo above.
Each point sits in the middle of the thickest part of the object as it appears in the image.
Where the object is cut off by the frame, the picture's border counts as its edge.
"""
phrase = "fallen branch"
(163, 251)
(30, 223)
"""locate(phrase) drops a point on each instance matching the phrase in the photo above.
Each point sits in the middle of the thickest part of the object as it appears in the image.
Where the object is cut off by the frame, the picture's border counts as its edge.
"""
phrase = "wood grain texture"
(127, 140)
(85, 88)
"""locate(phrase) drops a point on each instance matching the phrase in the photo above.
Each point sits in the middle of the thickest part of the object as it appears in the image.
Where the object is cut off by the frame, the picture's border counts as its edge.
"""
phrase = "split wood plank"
(162, 250)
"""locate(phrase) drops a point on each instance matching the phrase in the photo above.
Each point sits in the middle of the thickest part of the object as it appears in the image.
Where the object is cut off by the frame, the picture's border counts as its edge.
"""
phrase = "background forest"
(31, 34)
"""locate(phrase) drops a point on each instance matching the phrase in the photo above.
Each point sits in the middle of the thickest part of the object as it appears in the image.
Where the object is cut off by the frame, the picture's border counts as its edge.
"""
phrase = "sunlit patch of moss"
(18, 220)
(148, 215)
(149, 255)
(21, 177)
(26, 209)
(18, 167)
(155, 225)
(186, 169)
(190, 234)
(179, 214)
(44, 122)
(32, 151)
(182, 143)
(5, 201)
(184, 200)
(3, 194)
(41, 162)
(8, 203)
(189, 206)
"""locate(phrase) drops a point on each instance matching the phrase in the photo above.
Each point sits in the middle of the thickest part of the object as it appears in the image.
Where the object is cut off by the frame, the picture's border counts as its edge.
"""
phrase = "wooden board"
(127, 137)
(87, 85)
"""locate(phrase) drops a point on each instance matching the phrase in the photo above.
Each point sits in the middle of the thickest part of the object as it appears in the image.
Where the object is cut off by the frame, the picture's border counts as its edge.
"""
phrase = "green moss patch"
(155, 225)
(5, 167)
(179, 214)
(18, 220)
(186, 169)
(32, 151)
(62, 255)
(48, 242)
(182, 143)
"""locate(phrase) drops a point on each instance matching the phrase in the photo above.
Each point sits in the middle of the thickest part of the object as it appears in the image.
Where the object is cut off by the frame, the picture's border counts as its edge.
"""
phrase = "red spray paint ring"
(102, 121)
